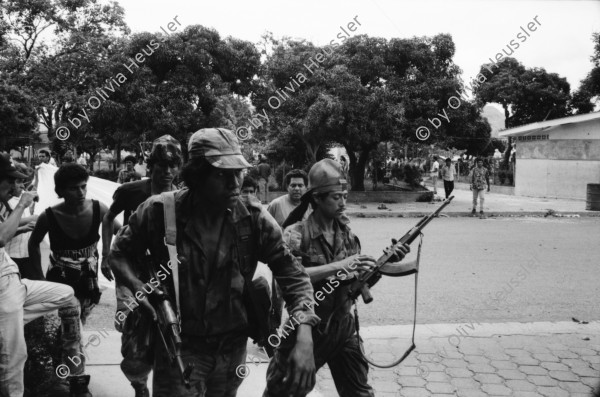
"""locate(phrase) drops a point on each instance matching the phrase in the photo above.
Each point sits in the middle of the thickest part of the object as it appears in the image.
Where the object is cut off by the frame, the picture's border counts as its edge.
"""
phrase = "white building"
(557, 158)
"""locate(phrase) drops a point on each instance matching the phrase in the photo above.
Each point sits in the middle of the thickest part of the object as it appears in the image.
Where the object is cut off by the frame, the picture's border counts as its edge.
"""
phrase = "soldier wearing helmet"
(330, 253)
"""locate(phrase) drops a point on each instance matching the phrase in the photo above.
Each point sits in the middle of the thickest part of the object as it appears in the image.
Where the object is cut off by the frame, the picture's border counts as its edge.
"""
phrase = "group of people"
(479, 181)
(218, 232)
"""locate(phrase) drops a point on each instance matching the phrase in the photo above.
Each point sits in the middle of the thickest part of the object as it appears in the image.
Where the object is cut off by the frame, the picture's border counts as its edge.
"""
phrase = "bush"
(43, 355)
(107, 174)
(412, 175)
(426, 197)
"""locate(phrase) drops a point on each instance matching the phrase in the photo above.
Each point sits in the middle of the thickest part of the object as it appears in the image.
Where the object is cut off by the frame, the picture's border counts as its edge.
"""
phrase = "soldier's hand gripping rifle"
(367, 279)
(170, 332)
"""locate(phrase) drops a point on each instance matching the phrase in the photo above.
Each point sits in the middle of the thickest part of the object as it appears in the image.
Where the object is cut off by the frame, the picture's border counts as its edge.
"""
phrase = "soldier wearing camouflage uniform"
(164, 163)
(219, 241)
(330, 252)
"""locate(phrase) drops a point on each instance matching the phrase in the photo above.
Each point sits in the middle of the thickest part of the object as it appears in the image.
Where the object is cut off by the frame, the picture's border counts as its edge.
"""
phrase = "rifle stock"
(366, 280)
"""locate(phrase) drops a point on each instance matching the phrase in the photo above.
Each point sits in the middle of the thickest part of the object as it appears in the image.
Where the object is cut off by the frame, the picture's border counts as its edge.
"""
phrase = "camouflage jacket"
(211, 294)
(307, 242)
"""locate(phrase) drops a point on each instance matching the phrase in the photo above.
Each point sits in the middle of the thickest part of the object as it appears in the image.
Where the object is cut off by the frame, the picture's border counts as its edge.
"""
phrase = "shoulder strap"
(171, 241)
(96, 215)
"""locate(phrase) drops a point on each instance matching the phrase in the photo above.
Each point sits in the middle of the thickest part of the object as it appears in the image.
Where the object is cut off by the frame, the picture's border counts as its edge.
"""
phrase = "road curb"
(508, 214)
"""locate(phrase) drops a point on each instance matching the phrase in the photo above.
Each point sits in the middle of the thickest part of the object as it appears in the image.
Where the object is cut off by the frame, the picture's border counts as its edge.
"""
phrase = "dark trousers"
(448, 187)
(215, 369)
(340, 350)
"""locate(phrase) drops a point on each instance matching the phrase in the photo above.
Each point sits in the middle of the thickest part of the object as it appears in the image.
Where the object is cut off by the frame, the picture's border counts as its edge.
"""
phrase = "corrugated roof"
(542, 125)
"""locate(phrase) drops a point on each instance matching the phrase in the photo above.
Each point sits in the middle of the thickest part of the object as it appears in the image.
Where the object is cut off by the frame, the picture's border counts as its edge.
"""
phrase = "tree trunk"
(357, 168)
(509, 146)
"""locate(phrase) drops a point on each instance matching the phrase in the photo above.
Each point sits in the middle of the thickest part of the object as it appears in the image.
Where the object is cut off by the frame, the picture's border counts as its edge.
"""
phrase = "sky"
(560, 44)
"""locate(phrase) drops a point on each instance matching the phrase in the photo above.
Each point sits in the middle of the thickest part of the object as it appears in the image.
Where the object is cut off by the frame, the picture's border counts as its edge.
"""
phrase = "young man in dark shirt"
(163, 164)
(72, 226)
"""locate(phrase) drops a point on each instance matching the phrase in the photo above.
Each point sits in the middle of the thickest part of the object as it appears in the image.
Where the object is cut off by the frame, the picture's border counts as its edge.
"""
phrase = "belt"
(221, 343)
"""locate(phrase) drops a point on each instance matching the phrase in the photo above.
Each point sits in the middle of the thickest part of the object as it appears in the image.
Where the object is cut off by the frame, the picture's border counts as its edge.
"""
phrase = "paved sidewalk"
(495, 205)
(468, 359)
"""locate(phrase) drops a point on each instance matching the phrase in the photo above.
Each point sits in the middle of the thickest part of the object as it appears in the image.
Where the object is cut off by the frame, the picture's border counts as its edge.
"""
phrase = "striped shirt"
(17, 247)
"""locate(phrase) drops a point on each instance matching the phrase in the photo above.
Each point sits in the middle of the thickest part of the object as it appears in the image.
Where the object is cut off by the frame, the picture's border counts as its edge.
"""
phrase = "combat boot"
(79, 386)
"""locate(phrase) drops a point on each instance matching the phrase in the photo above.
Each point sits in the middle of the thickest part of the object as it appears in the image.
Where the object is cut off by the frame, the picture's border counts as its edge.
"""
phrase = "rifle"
(170, 333)
(361, 285)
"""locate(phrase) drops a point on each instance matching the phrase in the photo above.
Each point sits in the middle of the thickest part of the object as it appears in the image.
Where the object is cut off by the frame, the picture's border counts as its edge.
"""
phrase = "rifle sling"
(412, 346)
(171, 242)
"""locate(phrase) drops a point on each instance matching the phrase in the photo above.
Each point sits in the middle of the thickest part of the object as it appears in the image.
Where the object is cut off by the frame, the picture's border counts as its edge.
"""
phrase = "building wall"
(560, 168)
(556, 178)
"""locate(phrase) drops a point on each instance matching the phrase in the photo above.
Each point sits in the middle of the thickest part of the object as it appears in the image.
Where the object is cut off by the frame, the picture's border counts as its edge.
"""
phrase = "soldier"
(164, 163)
(219, 240)
(330, 253)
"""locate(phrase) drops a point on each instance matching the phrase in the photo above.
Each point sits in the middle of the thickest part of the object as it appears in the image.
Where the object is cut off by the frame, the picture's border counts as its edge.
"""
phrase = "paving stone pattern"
(513, 365)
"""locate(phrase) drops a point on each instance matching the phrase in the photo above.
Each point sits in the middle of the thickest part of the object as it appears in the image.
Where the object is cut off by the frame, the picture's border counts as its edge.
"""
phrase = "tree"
(365, 91)
(526, 95)
(17, 115)
(587, 96)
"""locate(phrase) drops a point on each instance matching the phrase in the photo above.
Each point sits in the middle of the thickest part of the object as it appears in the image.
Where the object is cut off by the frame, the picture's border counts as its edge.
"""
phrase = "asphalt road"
(472, 270)
(492, 270)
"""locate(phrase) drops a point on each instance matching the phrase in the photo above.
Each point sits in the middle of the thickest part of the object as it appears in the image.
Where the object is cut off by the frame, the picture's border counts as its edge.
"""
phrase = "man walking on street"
(448, 174)
(264, 171)
(164, 163)
(433, 172)
(21, 300)
(480, 181)
(218, 242)
(331, 255)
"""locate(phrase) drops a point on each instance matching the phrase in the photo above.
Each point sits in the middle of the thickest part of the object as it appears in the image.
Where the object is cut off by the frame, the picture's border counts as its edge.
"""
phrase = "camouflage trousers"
(339, 349)
(215, 368)
(137, 341)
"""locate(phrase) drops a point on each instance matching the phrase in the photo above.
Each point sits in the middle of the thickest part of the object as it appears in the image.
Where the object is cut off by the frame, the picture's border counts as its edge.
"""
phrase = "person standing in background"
(140, 167)
(480, 180)
(128, 174)
(448, 175)
(264, 171)
(435, 169)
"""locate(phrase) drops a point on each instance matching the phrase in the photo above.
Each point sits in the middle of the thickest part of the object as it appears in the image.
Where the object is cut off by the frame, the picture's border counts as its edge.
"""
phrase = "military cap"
(326, 176)
(219, 146)
(165, 148)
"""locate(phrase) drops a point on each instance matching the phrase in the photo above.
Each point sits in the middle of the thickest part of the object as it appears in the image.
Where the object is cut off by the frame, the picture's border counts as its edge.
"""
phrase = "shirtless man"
(73, 230)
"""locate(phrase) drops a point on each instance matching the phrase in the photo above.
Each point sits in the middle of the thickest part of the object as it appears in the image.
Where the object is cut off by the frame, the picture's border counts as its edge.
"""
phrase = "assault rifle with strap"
(169, 331)
(367, 279)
